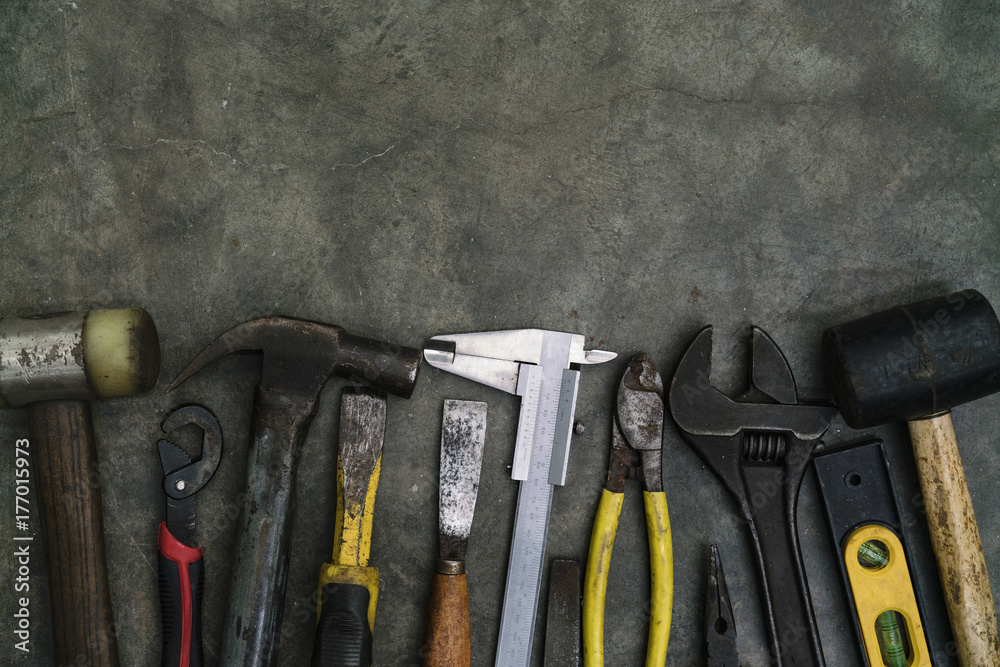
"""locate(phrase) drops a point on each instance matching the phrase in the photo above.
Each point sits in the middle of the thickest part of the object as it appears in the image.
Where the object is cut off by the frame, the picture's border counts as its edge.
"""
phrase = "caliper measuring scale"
(534, 364)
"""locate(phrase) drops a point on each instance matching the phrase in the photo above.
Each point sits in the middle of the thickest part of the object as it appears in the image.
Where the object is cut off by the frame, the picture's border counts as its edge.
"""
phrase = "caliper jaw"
(514, 361)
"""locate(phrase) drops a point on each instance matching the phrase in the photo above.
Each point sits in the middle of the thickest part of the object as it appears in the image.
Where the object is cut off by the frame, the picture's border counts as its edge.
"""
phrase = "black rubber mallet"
(914, 363)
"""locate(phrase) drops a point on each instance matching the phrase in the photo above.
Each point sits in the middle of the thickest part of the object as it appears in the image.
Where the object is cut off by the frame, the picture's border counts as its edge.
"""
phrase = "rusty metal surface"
(463, 436)
(563, 634)
(300, 356)
(362, 433)
(41, 358)
(720, 624)
(637, 433)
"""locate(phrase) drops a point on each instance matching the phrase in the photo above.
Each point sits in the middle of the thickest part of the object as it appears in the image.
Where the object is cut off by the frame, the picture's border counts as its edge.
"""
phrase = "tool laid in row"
(448, 638)
(181, 565)
(348, 586)
(298, 358)
(759, 446)
(912, 363)
(54, 364)
(534, 364)
(865, 524)
(720, 625)
(636, 453)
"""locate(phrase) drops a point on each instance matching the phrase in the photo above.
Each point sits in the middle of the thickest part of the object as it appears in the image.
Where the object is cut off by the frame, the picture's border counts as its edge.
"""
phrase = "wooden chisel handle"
(448, 639)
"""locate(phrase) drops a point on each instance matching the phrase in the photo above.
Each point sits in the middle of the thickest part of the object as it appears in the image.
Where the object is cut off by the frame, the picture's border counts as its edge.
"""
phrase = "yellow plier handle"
(595, 582)
(661, 570)
(602, 542)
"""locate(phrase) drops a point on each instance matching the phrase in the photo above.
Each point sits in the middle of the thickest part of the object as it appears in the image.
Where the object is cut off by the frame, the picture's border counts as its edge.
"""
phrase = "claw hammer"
(299, 357)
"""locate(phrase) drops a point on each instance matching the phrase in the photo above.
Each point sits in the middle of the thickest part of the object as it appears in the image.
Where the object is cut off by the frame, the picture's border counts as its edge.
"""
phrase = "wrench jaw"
(759, 446)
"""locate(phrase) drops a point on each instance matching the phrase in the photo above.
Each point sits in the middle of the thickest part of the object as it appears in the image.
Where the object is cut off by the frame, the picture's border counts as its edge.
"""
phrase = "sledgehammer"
(914, 363)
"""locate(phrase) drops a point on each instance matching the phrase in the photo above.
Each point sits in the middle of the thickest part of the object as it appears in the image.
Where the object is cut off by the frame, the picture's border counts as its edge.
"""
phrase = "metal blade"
(720, 628)
(463, 435)
(523, 345)
(362, 432)
(769, 370)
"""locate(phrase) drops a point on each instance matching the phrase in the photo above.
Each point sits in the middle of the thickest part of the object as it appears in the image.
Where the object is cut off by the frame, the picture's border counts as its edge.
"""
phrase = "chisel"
(348, 587)
(448, 639)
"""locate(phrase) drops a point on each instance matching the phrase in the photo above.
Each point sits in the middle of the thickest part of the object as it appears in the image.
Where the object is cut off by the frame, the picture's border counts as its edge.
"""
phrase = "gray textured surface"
(629, 171)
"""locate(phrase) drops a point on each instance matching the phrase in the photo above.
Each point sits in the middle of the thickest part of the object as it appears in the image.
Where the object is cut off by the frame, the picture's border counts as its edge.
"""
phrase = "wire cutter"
(720, 627)
(182, 570)
(636, 453)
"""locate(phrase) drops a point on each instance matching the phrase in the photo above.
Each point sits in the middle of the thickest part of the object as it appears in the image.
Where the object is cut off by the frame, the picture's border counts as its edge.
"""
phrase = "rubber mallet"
(54, 364)
(914, 363)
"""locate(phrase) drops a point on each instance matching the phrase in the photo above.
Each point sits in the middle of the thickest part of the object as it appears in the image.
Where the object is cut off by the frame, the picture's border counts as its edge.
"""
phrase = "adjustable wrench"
(759, 446)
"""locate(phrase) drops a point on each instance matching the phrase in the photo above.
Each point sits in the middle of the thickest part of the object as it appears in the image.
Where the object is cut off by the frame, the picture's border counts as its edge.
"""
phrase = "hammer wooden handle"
(64, 460)
(448, 639)
(955, 537)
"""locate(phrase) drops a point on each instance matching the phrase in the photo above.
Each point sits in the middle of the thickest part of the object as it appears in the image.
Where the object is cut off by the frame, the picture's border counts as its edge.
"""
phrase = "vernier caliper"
(535, 365)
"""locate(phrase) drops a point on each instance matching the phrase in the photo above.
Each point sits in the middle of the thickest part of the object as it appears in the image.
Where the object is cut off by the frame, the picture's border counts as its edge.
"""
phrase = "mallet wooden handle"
(64, 461)
(955, 537)
(448, 639)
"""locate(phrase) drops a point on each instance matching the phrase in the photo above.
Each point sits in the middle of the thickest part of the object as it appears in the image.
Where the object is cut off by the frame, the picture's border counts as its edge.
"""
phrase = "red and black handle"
(182, 581)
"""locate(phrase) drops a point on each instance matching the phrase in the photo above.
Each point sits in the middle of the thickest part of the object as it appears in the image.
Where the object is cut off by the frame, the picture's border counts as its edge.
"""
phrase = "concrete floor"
(628, 171)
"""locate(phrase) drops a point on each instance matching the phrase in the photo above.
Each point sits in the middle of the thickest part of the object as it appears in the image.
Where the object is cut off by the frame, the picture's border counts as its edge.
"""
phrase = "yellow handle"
(661, 567)
(595, 585)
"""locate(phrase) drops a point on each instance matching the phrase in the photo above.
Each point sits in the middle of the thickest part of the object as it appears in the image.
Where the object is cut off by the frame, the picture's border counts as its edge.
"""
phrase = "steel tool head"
(299, 356)
(915, 360)
(463, 436)
(78, 355)
(720, 626)
(494, 358)
(770, 403)
(181, 477)
(637, 432)
(362, 434)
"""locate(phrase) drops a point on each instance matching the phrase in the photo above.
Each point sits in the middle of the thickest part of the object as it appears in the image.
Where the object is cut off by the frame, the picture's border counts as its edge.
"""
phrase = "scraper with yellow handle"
(348, 587)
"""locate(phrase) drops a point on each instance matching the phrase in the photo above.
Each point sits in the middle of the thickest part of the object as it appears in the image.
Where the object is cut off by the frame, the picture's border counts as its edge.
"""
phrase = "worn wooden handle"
(955, 537)
(448, 639)
(64, 460)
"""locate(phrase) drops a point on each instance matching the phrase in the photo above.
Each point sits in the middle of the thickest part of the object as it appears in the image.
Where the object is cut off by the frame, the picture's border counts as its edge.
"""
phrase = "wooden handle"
(448, 639)
(955, 537)
(64, 459)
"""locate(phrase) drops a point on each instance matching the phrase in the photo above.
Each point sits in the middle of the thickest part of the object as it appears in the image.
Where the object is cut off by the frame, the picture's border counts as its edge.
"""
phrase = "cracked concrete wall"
(629, 171)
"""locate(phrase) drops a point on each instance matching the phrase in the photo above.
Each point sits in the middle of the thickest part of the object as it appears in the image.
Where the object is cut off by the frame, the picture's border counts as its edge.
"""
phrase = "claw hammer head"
(300, 356)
